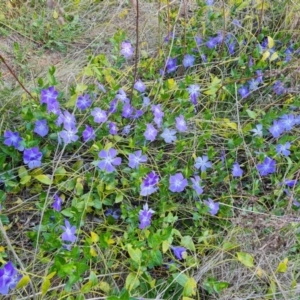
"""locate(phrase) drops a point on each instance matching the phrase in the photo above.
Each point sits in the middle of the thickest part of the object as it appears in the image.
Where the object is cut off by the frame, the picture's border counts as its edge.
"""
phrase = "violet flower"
(196, 185)
(68, 136)
(194, 92)
(202, 163)
(149, 184)
(126, 49)
(32, 157)
(69, 232)
(177, 183)
(283, 149)
(109, 160)
(145, 216)
(136, 158)
(213, 206)
(188, 60)
(9, 278)
(150, 133)
(267, 167)
(57, 203)
(88, 134)
(41, 127)
(13, 139)
(169, 135)
(236, 170)
(171, 65)
(179, 252)
(140, 86)
(83, 102)
(100, 116)
(181, 124)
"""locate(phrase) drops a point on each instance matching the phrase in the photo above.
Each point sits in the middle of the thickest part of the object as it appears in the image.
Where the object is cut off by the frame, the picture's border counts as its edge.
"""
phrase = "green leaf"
(282, 267)
(43, 179)
(119, 198)
(180, 278)
(251, 114)
(188, 243)
(190, 287)
(245, 258)
(23, 282)
(214, 85)
(22, 172)
(25, 179)
(135, 254)
(45, 286)
(132, 281)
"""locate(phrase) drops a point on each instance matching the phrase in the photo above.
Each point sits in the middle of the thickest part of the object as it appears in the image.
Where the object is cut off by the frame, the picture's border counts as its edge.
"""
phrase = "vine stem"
(16, 77)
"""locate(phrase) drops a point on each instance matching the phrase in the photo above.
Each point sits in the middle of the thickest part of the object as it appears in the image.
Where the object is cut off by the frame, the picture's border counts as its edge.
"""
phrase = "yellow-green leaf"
(23, 282)
(22, 172)
(55, 14)
(49, 276)
(132, 281)
(265, 56)
(274, 56)
(43, 179)
(190, 287)
(25, 179)
(93, 252)
(104, 286)
(214, 85)
(45, 286)
(80, 87)
(270, 42)
(282, 267)
(135, 254)
(165, 246)
(188, 243)
(95, 237)
(245, 258)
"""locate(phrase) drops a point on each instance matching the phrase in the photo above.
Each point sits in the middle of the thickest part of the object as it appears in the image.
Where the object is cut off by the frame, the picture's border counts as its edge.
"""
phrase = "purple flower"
(140, 86)
(127, 49)
(149, 184)
(196, 185)
(253, 84)
(236, 170)
(231, 47)
(113, 129)
(57, 203)
(211, 43)
(49, 95)
(67, 119)
(136, 158)
(181, 124)
(115, 213)
(202, 163)
(9, 278)
(259, 77)
(109, 160)
(188, 60)
(68, 136)
(171, 65)
(257, 131)
(198, 40)
(194, 92)
(276, 129)
(101, 87)
(290, 182)
(278, 88)
(146, 101)
(243, 91)
(122, 96)
(157, 111)
(250, 62)
(69, 232)
(83, 102)
(283, 149)
(236, 23)
(288, 55)
(170, 35)
(177, 183)
(169, 135)
(204, 58)
(113, 105)
(179, 252)
(126, 130)
(138, 114)
(150, 133)
(267, 167)
(288, 121)
(209, 2)
(100, 116)
(213, 206)
(32, 157)
(88, 133)
(145, 216)
(41, 128)
(13, 139)
(127, 110)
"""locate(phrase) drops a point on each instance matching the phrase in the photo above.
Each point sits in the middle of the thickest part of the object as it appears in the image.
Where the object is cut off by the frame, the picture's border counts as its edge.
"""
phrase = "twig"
(16, 77)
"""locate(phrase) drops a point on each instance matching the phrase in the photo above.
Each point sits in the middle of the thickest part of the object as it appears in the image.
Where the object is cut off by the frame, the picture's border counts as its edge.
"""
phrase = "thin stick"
(16, 77)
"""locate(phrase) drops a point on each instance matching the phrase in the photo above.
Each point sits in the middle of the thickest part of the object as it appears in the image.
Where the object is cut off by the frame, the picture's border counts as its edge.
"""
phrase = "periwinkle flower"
(136, 158)
(257, 131)
(68, 234)
(32, 157)
(138, 114)
(259, 77)
(188, 60)
(209, 2)
(243, 91)
(49, 95)
(126, 130)
(126, 49)
(253, 84)
(283, 149)
(145, 216)
(179, 252)
(83, 102)
(196, 185)
(213, 206)
(149, 184)
(57, 203)
(127, 110)
(177, 183)
(181, 124)
(113, 129)
(171, 65)
(288, 122)
(67, 119)
(202, 163)
(121, 95)
(9, 278)
(237, 170)
(13, 139)
(146, 101)
(115, 213)
(88, 134)
(150, 133)
(140, 86)
(198, 40)
(113, 106)
(169, 135)
(290, 182)
(41, 127)
(279, 88)
(211, 43)
(68, 136)
(267, 167)
(100, 116)
(276, 129)
(109, 160)
(194, 92)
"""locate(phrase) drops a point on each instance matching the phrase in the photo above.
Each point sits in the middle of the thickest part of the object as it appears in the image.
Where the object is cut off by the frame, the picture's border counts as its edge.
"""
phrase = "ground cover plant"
(166, 174)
